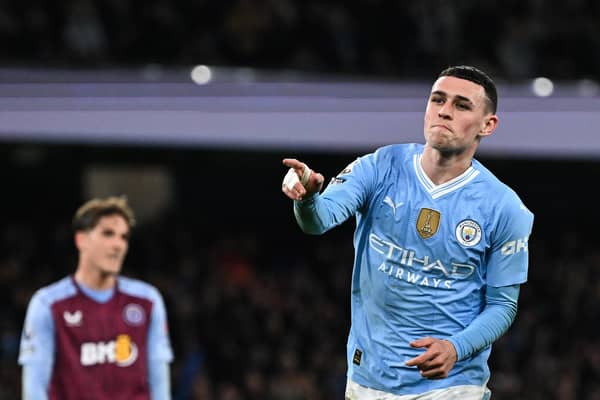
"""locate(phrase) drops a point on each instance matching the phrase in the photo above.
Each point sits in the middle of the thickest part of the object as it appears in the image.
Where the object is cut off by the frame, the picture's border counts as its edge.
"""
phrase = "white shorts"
(354, 391)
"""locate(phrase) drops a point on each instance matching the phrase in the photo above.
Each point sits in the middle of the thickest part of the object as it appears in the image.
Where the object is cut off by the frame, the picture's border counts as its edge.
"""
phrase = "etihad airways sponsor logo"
(409, 258)
(122, 352)
(406, 265)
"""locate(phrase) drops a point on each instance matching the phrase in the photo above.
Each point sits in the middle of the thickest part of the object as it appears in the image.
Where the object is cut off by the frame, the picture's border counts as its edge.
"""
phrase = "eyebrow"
(458, 96)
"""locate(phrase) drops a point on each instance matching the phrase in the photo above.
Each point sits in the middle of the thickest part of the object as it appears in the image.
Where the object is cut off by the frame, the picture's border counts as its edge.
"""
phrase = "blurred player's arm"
(36, 354)
(159, 380)
(159, 351)
(35, 380)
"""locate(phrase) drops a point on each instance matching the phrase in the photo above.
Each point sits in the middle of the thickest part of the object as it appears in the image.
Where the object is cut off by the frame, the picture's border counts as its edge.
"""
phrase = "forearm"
(319, 213)
(495, 319)
(159, 380)
(35, 380)
(307, 216)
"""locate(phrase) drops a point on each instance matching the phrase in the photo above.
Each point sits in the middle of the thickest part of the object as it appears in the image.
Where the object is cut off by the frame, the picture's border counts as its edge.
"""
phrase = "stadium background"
(99, 97)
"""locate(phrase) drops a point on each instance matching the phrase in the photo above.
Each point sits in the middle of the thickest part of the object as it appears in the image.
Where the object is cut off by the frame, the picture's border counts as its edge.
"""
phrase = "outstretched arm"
(318, 212)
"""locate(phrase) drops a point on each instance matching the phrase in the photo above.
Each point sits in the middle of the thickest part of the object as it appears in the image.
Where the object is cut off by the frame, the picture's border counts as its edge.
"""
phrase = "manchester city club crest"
(468, 233)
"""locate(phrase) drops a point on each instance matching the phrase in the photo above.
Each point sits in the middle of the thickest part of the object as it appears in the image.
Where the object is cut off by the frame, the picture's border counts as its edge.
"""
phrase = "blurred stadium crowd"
(510, 39)
(258, 310)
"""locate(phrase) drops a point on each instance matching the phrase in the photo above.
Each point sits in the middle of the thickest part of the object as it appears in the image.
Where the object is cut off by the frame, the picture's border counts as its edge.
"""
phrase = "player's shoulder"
(400, 150)
(138, 288)
(397, 154)
(501, 196)
(55, 292)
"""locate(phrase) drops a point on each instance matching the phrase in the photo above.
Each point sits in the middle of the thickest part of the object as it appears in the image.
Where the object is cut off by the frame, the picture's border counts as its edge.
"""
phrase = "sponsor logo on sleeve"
(339, 178)
(515, 246)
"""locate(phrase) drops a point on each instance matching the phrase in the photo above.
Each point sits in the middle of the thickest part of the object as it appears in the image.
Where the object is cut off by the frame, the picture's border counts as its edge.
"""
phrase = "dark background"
(511, 39)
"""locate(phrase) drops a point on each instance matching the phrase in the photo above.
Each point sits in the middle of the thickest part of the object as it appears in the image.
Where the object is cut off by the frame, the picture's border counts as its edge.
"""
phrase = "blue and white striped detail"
(437, 191)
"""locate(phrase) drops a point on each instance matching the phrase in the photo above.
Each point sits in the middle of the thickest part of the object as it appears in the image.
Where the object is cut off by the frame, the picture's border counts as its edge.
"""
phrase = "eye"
(437, 100)
(463, 106)
(108, 233)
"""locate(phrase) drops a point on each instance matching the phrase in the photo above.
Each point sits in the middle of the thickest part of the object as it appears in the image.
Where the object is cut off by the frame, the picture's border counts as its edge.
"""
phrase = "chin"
(111, 271)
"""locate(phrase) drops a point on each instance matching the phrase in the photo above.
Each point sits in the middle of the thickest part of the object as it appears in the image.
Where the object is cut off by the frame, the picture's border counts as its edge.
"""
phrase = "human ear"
(80, 239)
(489, 125)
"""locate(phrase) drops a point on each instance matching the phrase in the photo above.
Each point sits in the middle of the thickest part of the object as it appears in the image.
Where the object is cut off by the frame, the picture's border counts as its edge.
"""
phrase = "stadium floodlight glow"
(588, 88)
(201, 74)
(542, 87)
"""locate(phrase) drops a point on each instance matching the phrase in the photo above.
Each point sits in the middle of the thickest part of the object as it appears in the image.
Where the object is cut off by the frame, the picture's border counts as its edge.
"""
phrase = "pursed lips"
(441, 126)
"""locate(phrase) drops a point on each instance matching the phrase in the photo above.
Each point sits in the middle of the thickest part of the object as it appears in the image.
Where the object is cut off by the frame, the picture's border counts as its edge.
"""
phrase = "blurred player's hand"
(300, 181)
(437, 360)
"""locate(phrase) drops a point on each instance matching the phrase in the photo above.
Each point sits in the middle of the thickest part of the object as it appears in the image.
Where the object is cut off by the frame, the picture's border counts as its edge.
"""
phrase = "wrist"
(456, 348)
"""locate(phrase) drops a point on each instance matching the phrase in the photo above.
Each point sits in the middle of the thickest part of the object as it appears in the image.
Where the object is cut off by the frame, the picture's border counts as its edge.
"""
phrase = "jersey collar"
(436, 191)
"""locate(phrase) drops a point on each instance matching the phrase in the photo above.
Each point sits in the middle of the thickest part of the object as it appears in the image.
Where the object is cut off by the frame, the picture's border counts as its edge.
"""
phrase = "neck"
(95, 279)
(442, 167)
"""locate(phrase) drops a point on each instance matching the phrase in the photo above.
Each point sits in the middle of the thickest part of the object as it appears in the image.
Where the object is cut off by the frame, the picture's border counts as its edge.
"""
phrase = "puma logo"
(388, 200)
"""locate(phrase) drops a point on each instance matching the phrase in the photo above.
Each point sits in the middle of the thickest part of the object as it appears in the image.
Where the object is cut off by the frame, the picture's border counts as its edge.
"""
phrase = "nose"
(119, 244)
(445, 111)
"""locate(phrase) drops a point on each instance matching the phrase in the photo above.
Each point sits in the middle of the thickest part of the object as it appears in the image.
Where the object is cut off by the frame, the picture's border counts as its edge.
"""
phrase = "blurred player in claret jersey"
(96, 334)
(441, 250)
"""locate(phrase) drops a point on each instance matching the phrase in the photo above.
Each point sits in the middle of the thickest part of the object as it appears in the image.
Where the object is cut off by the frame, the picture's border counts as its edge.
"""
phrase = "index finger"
(423, 342)
(292, 163)
(421, 358)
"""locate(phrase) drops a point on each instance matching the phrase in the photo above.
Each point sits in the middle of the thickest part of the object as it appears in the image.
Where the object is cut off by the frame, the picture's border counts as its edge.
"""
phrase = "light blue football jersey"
(424, 255)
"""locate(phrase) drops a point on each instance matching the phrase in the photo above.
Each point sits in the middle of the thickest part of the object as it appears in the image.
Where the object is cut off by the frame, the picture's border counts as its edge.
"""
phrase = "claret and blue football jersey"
(424, 255)
(99, 349)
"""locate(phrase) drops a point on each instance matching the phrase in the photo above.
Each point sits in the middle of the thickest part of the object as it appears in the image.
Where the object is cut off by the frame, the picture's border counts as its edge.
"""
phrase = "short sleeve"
(37, 338)
(508, 260)
(159, 344)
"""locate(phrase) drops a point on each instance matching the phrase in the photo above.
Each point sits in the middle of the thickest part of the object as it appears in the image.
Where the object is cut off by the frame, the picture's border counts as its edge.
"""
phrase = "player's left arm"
(495, 319)
(507, 266)
(159, 351)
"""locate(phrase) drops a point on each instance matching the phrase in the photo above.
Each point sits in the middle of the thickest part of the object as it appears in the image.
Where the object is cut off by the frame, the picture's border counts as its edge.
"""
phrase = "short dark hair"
(87, 216)
(477, 76)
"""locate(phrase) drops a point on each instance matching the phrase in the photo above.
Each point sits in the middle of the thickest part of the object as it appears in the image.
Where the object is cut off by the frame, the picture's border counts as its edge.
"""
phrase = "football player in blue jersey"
(441, 249)
(97, 334)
